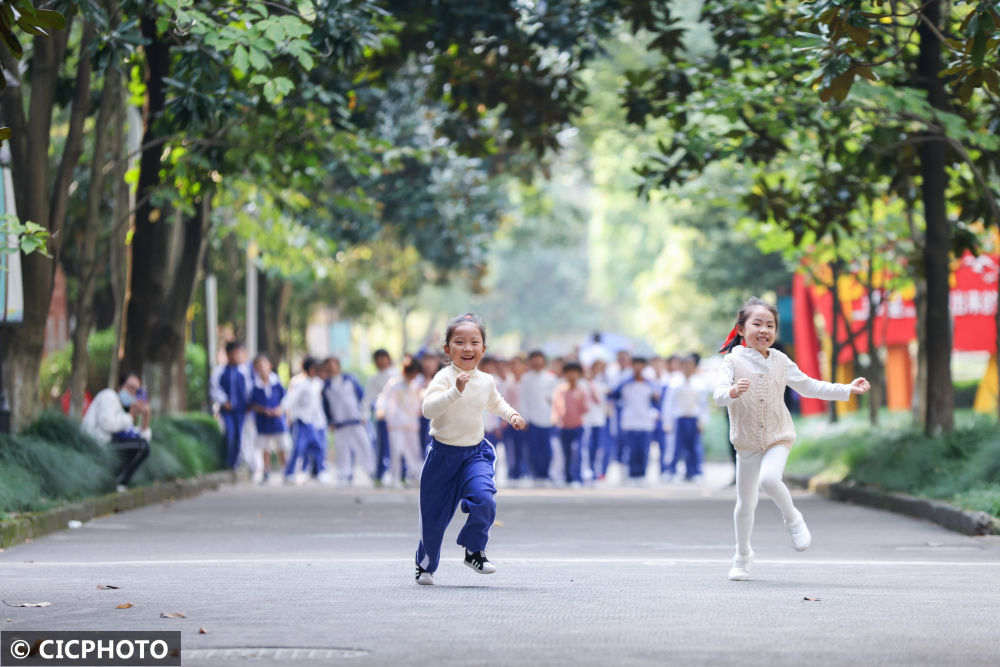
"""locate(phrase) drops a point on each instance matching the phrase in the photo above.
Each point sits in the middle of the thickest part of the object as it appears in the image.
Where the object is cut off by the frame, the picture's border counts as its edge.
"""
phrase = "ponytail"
(734, 340)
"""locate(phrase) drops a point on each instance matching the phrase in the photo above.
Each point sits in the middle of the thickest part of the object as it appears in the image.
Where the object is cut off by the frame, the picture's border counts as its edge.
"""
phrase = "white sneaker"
(801, 538)
(424, 578)
(741, 567)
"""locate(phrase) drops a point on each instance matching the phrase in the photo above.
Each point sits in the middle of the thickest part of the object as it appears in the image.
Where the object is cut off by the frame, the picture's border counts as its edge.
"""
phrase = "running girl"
(752, 387)
(460, 464)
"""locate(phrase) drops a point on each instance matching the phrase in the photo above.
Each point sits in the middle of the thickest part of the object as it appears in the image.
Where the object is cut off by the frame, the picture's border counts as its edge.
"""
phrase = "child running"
(460, 463)
(752, 386)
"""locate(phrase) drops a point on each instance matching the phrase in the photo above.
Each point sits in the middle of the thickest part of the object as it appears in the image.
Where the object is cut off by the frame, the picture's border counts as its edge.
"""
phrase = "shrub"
(52, 461)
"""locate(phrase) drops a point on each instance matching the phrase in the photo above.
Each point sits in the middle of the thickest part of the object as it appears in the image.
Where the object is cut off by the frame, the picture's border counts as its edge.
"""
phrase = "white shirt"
(400, 402)
(686, 397)
(457, 417)
(304, 402)
(342, 399)
(106, 416)
(374, 387)
(536, 389)
(597, 391)
(638, 413)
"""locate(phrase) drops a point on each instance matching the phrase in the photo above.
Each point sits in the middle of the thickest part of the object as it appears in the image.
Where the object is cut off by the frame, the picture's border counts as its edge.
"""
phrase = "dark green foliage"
(965, 393)
(63, 472)
(20, 490)
(962, 467)
(52, 461)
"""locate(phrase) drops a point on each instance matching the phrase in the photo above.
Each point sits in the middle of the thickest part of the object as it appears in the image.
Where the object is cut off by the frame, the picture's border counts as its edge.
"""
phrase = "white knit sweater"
(457, 417)
(758, 419)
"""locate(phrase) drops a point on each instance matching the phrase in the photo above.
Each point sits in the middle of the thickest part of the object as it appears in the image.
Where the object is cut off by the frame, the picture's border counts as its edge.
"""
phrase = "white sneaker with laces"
(801, 538)
(423, 577)
(741, 567)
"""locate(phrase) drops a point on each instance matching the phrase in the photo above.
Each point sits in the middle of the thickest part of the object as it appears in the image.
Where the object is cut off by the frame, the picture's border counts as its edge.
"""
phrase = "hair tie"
(727, 345)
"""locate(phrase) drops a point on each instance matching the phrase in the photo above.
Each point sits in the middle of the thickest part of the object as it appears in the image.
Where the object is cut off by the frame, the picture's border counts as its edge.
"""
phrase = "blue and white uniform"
(230, 384)
(685, 414)
(637, 420)
(536, 389)
(342, 396)
(272, 432)
(304, 406)
(369, 408)
(460, 464)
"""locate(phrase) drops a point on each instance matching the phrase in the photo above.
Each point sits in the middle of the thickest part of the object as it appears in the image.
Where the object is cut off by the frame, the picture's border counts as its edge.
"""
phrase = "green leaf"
(241, 60)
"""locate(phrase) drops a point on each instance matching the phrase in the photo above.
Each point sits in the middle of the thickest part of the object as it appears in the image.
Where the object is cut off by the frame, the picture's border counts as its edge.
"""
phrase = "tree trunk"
(152, 232)
(121, 218)
(936, 336)
(37, 202)
(920, 386)
(168, 315)
(93, 229)
(272, 307)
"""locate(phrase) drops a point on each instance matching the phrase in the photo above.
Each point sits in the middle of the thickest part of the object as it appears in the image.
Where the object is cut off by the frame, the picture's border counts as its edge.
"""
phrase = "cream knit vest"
(759, 420)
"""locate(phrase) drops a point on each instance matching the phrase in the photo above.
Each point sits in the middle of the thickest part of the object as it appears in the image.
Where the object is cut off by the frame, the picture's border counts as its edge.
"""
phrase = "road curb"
(30, 526)
(944, 514)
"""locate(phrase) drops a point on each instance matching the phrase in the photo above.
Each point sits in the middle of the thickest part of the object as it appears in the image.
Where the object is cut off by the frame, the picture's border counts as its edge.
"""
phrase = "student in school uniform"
(570, 403)
(638, 398)
(596, 436)
(517, 449)
(536, 388)
(229, 387)
(686, 415)
(385, 372)
(304, 406)
(269, 419)
(400, 401)
(342, 394)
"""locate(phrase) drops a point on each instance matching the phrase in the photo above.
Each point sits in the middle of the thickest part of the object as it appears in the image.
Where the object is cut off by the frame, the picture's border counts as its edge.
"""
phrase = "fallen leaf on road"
(106, 587)
(28, 604)
(172, 614)
(812, 599)
(127, 605)
(202, 631)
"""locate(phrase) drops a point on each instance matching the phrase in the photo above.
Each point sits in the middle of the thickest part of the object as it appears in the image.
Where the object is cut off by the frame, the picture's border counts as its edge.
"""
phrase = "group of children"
(459, 470)
(601, 414)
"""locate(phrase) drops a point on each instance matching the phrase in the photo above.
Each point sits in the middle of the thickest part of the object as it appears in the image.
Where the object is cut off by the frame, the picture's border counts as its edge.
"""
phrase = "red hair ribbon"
(725, 346)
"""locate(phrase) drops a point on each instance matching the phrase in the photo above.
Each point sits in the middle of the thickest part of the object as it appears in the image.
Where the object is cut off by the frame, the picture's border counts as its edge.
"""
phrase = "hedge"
(53, 462)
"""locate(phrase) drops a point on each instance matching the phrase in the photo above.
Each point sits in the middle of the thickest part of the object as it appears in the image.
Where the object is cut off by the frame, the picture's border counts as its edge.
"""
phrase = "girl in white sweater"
(460, 464)
(752, 387)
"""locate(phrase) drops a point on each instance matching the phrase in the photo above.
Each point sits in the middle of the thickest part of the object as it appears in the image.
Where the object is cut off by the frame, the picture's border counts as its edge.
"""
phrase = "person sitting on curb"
(112, 419)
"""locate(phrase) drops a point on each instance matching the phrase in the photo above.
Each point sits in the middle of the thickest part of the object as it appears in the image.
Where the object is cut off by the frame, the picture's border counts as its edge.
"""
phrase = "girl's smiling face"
(466, 346)
(759, 330)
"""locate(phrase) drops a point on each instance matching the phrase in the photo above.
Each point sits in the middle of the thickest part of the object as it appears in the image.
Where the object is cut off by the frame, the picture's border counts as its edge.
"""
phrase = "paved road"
(611, 576)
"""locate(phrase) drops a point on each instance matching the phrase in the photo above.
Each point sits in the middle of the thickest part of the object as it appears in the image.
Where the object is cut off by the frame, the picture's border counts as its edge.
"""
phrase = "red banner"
(973, 302)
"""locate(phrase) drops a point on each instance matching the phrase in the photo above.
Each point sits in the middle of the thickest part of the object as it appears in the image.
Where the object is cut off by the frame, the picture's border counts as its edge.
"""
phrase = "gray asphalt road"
(613, 576)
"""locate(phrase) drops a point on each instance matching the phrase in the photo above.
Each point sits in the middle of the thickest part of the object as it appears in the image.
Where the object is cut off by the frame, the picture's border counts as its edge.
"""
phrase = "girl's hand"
(860, 386)
(517, 421)
(461, 381)
(739, 388)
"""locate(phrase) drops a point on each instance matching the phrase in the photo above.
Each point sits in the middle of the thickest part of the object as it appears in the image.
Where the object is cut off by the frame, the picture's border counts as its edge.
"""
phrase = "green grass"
(53, 462)
(962, 467)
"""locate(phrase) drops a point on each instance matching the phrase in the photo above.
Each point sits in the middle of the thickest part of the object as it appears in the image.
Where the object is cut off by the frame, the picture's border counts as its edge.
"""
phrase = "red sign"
(973, 301)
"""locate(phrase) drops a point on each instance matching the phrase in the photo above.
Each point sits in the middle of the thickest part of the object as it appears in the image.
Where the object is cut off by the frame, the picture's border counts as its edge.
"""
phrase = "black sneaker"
(423, 577)
(477, 561)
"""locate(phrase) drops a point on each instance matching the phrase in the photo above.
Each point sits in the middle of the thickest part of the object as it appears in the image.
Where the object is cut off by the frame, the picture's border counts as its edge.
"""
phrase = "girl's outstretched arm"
(812, 388)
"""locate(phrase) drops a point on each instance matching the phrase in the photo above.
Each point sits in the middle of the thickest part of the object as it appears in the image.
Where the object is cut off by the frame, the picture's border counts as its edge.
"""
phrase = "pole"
(251, 336)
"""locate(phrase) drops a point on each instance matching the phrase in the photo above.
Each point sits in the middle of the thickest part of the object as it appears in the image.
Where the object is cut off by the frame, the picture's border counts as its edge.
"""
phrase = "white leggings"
(754, 470)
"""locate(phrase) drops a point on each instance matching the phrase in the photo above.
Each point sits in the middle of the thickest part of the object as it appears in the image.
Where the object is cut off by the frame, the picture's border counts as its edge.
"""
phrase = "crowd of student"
(582, 418)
